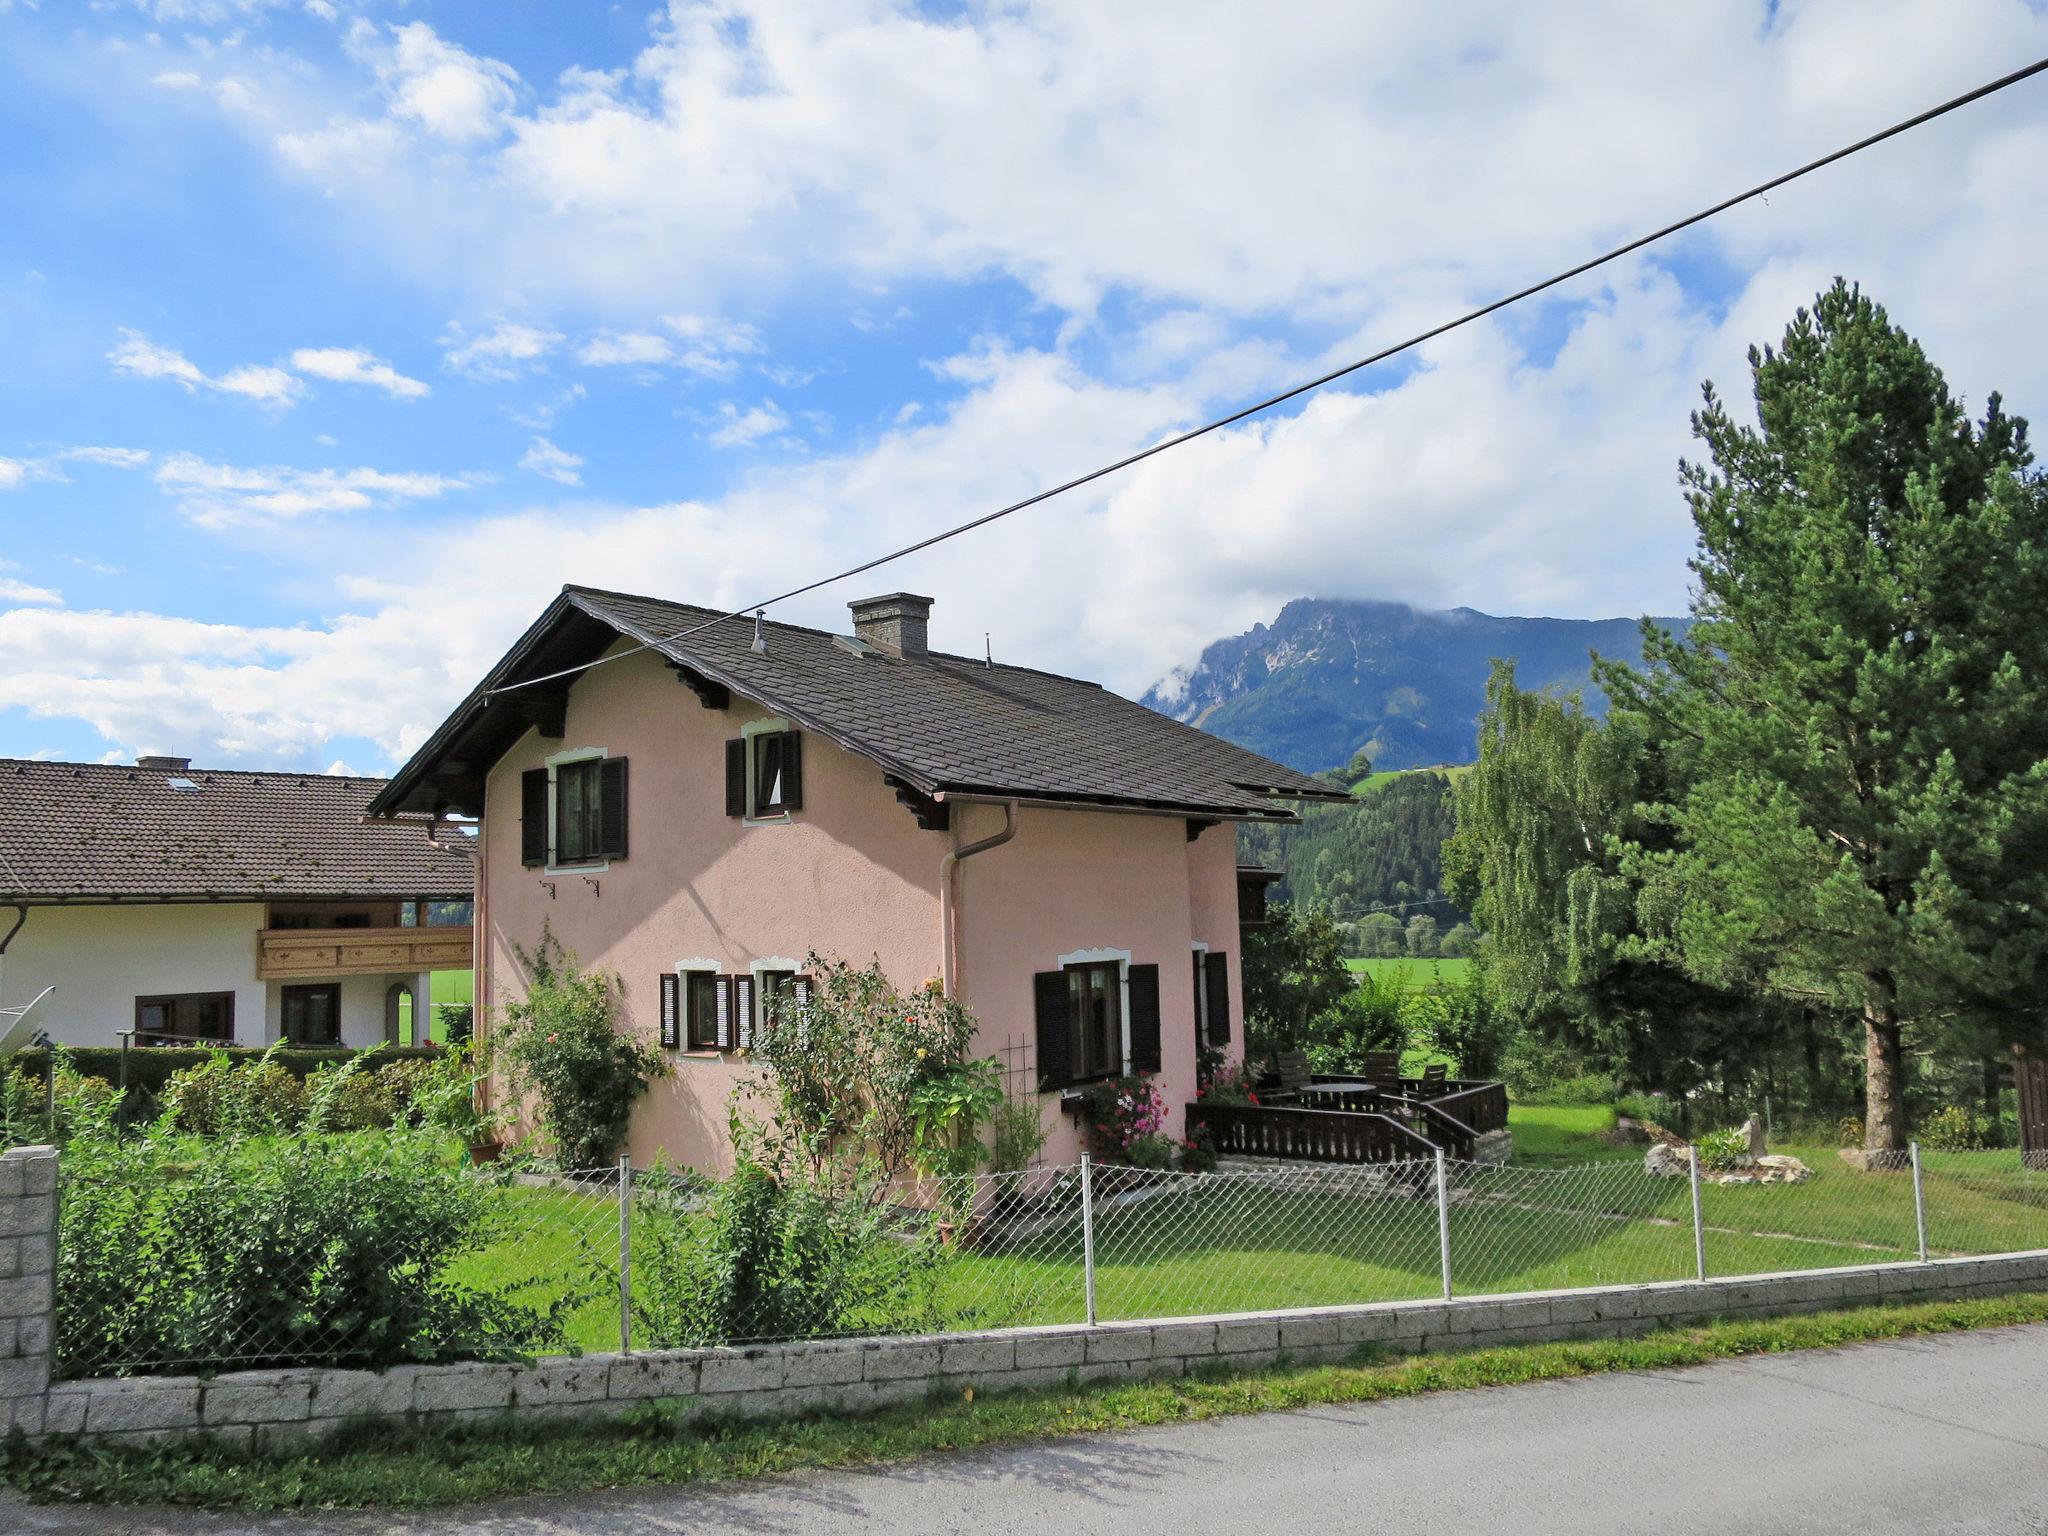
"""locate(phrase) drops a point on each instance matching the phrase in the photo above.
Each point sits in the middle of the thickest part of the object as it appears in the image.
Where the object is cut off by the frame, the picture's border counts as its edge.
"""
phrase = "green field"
(1406, 971)
(1372, 781)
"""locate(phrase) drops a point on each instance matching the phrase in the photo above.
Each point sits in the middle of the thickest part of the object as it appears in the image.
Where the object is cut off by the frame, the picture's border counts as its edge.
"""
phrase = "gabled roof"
(944, 726)
(98, 831)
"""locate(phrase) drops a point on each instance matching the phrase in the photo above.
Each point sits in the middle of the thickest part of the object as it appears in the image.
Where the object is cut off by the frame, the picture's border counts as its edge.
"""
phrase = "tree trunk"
(1884, 1073)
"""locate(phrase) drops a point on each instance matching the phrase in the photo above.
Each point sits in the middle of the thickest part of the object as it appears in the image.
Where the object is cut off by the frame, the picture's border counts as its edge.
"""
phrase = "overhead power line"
(1954, 103)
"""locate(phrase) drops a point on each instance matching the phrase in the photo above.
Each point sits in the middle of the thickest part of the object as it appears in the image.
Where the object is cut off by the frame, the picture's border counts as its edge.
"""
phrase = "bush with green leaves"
(1952, 1128)
(305, 1249)
(1722, 1151)
(347, 1098)
(779, 1254)
(865, 1070)
(222, 1095)
(1018, 1134)
(1372, 1016)
(562, 1044)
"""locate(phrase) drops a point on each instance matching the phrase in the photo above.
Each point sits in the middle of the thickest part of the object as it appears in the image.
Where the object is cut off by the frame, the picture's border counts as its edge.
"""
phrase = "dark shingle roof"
(940, 723)
(85, 830)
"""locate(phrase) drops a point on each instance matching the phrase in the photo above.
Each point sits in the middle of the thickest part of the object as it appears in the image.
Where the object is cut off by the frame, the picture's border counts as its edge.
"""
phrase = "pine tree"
(1864, 698)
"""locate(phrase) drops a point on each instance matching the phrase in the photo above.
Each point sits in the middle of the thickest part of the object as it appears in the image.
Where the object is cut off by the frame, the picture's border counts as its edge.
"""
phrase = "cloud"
(502, 353)
(627, 348)
(141, 358)
(15, 473)
(449, 93)
(220, 495)
(558, 464)
(351, 365)
(739, 428)
(20, 592)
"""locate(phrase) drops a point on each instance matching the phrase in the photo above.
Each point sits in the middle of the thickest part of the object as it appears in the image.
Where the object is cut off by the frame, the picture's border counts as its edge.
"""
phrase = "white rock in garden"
(1664, 1161)
(1753, 1133)
(1777, 1168)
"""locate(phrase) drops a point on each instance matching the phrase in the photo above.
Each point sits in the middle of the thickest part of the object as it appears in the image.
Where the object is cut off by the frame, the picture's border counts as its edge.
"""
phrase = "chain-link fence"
(613, 1258)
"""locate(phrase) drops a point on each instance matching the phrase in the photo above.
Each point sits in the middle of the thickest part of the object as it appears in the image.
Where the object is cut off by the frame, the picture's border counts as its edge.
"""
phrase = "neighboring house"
(701, 811)
(201, 905)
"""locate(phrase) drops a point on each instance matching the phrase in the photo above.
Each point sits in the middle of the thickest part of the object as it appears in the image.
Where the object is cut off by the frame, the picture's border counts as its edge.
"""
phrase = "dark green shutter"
(1218, 968)
(1055, 1057)
(1145, 1055)
(736, 776)
(533, 816)
(792, 771)
(611, 808)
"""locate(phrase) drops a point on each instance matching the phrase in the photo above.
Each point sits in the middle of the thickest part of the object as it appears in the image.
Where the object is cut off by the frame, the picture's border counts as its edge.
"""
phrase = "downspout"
(949, 915)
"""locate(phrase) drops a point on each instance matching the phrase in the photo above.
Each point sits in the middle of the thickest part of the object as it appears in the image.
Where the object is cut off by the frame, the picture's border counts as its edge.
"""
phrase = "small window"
(768, 774)
(700, 1010)
(185, 1016)
(579, 810)
(311, 1015)
(779, 991)
(764, 774)
(1095, 1018)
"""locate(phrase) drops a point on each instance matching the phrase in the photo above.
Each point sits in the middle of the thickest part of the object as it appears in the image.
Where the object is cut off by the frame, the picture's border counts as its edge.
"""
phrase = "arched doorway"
(401, 1012)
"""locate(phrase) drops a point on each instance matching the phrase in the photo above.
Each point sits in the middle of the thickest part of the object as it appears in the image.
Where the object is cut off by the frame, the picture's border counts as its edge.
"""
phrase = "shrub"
(865, 1069)
(1849, 1131)
(253, 1097)
(1722, 1151)
(562, 1046)
(151, 1067)
(1952, 1128)
(1151, 1150)
(1019, 1134)
(1198, 1152)
(778, 1256)
(292, 1250)
(1460, 1021)
(1119, 1111)
(1372, 1016)
(339, 1099)
(405, 1080)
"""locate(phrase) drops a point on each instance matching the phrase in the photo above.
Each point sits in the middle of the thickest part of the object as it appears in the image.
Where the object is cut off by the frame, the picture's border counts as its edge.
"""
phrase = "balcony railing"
(283, 953)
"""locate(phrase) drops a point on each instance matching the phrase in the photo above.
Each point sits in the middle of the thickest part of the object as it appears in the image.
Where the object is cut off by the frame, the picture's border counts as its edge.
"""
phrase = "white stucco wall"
(100, 959)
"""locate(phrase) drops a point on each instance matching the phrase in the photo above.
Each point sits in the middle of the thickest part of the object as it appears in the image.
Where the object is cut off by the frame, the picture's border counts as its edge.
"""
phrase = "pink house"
(697, 805)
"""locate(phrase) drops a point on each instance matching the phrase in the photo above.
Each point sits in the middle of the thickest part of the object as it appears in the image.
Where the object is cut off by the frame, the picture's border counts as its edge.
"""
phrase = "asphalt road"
(1947, 1434)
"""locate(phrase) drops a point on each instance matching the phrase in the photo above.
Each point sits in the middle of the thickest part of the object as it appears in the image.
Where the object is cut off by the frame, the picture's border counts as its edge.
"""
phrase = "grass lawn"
(417, 1468)
(1560, 1217)
(1408, 971)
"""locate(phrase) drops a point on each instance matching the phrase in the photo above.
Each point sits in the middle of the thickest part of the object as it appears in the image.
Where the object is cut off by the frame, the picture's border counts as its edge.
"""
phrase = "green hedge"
(151, 1066)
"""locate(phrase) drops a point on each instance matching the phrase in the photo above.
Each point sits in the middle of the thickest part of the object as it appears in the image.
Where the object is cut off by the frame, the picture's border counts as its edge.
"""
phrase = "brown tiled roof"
(939, 723)
(93, 830)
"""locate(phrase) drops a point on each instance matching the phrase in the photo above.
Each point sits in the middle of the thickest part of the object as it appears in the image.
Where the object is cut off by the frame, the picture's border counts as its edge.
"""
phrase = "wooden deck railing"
(1482, 1106)
(1307, 1135)
(282, 953)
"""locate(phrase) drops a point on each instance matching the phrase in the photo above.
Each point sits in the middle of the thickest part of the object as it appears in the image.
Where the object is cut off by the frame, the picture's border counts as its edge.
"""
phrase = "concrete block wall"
(28, 1274)
(279, 1409)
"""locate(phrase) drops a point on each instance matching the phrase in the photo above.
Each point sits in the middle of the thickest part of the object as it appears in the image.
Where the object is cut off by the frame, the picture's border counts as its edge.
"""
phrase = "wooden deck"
(285, 953)
(1407, 1125)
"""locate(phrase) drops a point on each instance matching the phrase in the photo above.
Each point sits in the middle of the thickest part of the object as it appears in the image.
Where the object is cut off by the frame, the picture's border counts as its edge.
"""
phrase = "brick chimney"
(895, 623)
(164, 764)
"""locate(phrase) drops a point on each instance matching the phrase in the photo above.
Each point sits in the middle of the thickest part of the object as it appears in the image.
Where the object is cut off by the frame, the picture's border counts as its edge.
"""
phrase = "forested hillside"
(1384, 851)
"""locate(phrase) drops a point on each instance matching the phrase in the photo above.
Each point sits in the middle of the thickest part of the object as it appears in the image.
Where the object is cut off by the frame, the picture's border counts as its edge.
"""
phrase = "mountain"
(1331, 677)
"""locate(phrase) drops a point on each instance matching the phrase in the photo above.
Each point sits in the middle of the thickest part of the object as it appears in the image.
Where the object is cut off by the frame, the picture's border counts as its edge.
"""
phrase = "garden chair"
(1433, 1081)
(1383, 1068)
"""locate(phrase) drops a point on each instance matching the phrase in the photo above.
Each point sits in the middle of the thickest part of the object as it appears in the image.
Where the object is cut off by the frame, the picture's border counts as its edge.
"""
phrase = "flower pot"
(484, 1152)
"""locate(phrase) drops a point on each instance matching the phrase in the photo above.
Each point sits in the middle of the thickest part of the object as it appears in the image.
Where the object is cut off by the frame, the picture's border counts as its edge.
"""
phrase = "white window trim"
(752, 729)
(1201, 947)
(697, 965)
(1123, 959)
(551, 763)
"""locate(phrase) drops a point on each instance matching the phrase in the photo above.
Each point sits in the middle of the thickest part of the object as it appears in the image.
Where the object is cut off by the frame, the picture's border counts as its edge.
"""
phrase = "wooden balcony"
(285, 953)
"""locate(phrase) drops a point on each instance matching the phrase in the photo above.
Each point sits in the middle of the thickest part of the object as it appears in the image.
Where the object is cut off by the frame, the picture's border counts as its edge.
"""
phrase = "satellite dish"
(17, 1024)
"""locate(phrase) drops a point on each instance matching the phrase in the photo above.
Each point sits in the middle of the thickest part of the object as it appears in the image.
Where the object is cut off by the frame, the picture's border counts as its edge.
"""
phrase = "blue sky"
(334, 336)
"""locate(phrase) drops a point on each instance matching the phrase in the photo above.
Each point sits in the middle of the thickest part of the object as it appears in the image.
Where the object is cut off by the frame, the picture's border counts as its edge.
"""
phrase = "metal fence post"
(1088, 1234)
(625, 1253)
(1443, 1219)
(1699, 1230)
(1919, 1201)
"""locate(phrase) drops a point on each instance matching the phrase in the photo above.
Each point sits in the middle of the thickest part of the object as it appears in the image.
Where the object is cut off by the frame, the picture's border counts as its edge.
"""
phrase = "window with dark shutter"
(704, 1010)
(611, 808)
(533, 816)
(736, 776)
(792, 771)
(1145, 1045)
(1049, 999)
(725, 1014)
(743, 1012)
(1217, 969)
(579, 811)
(671, 1010)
